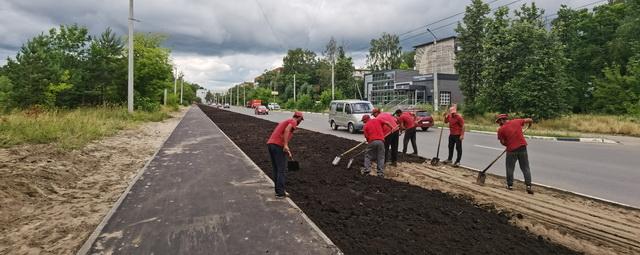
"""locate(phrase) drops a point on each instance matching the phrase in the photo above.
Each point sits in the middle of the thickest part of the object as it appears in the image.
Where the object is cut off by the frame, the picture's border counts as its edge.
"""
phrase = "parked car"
(423, 118)
(273, 106)
(261, 110)
(348, 113)
(226, 106)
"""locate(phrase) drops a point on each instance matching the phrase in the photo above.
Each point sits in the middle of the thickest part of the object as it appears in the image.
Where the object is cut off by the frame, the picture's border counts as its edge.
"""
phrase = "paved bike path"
(201, 194)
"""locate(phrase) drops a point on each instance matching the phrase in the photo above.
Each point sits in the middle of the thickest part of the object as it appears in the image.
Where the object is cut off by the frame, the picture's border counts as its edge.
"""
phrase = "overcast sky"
(221, 43)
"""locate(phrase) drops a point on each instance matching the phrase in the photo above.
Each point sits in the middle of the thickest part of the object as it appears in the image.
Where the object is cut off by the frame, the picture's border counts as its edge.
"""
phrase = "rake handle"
(350, 150)
(503, 152)
(439, 141)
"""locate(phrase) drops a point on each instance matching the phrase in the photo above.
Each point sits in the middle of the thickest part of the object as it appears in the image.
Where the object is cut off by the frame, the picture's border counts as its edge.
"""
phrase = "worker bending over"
(393, 137)
(278, 145)
(511, 136)
(375, 135)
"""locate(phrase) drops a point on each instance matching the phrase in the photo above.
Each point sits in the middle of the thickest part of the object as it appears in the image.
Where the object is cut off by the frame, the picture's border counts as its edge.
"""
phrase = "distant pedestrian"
(456, 134)
(408, 126)
(392, 135)
(278, 146)
(373, 132)
(511, 136)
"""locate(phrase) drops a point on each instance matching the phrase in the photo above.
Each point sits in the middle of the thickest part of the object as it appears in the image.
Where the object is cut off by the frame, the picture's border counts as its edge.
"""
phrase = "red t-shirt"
(407, 119)
(511, 133)
(277, 137)
(456, 124)
(373, 130)
(388, 118)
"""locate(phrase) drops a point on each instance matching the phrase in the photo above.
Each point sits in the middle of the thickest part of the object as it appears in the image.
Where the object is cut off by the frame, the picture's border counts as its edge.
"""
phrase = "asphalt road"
(606, 171)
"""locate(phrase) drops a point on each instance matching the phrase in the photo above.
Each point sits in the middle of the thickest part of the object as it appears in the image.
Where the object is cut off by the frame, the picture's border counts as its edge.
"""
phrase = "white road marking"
(487, 147)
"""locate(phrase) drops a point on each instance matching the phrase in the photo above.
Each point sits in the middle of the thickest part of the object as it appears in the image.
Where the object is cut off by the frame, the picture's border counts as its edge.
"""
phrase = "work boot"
(280, 196)
(529, 190)
(457, 164)
(448, 161)
(509, 187)
(365, 172)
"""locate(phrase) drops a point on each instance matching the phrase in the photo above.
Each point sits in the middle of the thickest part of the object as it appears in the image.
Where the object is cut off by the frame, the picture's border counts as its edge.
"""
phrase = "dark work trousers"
(409, 134)
(279, 162)
(391, 141)
(454, 140)
(522, 157)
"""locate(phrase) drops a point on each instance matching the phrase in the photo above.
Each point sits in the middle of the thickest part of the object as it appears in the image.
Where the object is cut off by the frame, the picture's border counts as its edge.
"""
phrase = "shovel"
(337, 159)
(482, 176)
(293, 165)
(436, 160)
(352, 158)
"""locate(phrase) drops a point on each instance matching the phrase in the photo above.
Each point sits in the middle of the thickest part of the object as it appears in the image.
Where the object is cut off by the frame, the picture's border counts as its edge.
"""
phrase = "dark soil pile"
(372, 215)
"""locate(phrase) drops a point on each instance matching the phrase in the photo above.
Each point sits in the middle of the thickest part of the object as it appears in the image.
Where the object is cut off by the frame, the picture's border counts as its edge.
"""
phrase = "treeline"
(67, 68)
(588, 62)
(313, 76)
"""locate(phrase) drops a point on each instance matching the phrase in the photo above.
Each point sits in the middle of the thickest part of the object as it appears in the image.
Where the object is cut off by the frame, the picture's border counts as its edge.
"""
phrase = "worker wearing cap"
(511, 136)
(374, 133)
(407, 122)
(278, 146)
(456, 134)
(392, 134)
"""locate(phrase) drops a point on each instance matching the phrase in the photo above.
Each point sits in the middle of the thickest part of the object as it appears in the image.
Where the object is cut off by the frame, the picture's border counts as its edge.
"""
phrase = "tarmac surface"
(605, 171)
(200, 194)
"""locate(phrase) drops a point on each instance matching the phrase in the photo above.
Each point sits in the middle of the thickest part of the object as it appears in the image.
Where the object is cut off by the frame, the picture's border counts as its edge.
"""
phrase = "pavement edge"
(86, 246)
(255, 167)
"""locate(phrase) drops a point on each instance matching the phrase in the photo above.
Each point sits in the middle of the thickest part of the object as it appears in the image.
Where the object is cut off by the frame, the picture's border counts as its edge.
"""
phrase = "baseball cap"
(365, 117)
(501, 116)
(298, 114)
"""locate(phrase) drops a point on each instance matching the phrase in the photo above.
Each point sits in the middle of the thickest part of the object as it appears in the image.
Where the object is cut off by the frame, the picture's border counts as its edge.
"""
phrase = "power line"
(270, 26)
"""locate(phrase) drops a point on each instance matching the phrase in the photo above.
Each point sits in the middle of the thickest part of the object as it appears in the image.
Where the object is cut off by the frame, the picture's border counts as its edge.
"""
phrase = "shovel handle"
(354, 147)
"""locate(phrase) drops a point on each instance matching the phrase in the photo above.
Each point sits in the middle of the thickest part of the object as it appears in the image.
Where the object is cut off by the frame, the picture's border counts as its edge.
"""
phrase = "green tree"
(107, 69)
(153, 72)
(408, 60)
(6, 90)
(384, 53)
(619, 93)
(497, 70)
(469, 60)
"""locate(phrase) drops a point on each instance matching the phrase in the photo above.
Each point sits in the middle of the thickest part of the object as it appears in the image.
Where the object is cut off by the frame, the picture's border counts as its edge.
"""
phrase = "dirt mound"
(52, 199)
(366, 214)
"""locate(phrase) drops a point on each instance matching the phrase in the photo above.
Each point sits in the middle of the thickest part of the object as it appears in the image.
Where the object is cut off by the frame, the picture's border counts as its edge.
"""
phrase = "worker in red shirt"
(407, 125)
(278, 146)
(374, 133)
(511, 136)
(456, 134)
(393, 135)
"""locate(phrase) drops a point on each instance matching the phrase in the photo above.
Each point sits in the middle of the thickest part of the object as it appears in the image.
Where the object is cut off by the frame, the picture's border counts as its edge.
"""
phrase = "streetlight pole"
(130, 81)
(436, 93)
(175, 80)
(181, 86)
(333, 76)
(294, 87)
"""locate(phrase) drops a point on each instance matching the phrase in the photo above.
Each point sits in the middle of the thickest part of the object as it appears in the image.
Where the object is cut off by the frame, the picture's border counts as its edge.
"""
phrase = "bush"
(146, 104)
(305, 103)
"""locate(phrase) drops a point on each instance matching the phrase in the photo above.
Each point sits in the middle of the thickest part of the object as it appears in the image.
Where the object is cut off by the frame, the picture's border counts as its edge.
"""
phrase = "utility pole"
(294, 87)
(244, 94)
(130, 81)
(333, 85)
(436, 93)
(181, 86)
(175, 80)
(165, 96)
(238, 95)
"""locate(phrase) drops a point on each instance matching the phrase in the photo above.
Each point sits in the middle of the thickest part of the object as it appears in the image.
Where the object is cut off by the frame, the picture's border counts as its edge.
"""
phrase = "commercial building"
(413, 87)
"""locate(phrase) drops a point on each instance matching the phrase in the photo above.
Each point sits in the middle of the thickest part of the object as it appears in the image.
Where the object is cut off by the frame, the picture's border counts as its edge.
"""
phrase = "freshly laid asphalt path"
(201, 195)
(605, 171)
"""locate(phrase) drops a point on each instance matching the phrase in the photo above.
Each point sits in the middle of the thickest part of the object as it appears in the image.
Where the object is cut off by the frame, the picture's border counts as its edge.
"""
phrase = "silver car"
(348, 113)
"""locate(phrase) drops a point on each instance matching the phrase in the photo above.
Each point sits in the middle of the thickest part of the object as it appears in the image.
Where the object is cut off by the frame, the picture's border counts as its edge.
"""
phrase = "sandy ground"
(580, 223)
(51, 200)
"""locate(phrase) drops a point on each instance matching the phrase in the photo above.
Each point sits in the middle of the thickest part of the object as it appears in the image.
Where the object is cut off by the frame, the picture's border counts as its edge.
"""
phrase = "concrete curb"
(559, 139)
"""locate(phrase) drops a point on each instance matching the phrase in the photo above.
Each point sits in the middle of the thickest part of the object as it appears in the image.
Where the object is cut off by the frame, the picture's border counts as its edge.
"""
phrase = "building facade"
(408, 87)
(443, 56)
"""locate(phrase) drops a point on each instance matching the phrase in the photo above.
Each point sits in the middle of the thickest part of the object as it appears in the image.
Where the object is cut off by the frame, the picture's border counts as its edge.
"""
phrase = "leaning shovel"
(337, 159)
(352, 158)
(436, 160)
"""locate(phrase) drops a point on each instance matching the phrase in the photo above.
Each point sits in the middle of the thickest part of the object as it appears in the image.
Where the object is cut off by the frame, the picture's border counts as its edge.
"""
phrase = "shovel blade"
(336, 161)
(349, 163)
(435, 161)
(481, 178)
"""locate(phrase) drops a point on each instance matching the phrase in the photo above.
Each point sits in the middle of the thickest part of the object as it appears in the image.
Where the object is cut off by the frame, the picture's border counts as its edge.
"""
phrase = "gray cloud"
(239, 39)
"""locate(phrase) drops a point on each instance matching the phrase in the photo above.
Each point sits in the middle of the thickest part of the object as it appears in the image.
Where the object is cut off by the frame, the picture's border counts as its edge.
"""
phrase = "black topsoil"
(372, 215)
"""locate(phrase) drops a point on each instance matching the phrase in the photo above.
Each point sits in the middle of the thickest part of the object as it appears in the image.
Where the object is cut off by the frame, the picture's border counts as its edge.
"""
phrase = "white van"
(348, 113)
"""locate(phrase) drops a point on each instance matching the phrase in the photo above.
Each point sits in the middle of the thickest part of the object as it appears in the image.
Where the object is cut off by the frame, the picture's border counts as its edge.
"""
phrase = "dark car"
(423, 119)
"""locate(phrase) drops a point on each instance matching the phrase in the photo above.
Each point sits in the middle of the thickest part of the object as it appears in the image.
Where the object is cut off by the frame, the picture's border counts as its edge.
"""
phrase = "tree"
(152, 67)
(107, 69)
(209, 97)
(618, 93)
(6, 90)
(384, 53)
(497, 64)
(408, 60)
(469, 60)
